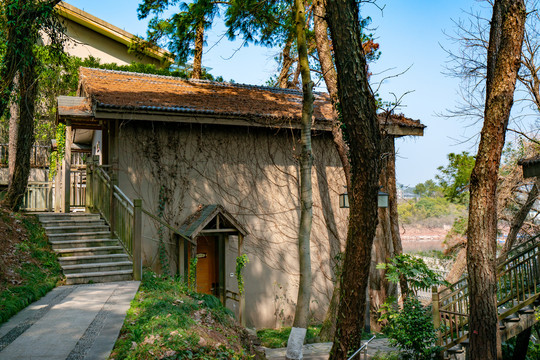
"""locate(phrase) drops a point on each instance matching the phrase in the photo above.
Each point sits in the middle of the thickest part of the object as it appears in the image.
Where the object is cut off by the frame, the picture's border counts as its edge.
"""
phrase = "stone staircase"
(88, 253)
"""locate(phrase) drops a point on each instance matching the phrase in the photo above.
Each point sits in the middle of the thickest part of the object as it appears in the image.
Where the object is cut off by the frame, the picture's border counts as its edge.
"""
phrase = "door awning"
(211, 220)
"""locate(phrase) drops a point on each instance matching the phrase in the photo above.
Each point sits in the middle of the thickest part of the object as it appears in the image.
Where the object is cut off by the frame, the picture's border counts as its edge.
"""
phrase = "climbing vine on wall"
(241, 262)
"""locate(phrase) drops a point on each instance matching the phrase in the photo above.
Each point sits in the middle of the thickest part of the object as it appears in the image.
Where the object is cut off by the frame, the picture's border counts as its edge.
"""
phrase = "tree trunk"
(13, 128)
(25, 137)
(391, 188)
(520, 217)
(286, 63)
(197, 58)
(301, 316)
(504, 52)
(522, 344)
(362, 130)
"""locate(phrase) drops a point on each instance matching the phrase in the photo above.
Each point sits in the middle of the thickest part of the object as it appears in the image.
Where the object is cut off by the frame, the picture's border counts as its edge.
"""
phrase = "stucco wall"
(253, 173)
(84, 42)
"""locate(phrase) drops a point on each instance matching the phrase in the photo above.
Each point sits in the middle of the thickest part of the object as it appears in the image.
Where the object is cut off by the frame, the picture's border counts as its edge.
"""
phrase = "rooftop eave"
(102, 27)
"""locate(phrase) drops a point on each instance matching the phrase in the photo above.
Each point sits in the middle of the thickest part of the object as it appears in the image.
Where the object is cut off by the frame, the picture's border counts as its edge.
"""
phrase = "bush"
(412, 330)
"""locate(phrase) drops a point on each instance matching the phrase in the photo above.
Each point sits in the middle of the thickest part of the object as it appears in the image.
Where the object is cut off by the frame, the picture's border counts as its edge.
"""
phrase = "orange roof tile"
(111, 89)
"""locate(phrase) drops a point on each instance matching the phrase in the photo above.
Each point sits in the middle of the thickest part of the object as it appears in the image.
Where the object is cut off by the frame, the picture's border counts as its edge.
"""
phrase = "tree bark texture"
(301, 315)
(520, 216)
(362, 132)
(286, 64)
(198, 51)
(504, 52)
(13, 126)
(25, 136)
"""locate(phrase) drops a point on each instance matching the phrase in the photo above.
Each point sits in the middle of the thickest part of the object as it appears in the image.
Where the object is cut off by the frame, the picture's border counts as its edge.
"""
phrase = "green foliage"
(455, 177)
(414, 211)
(428, 189)
(57, 155)
(192, 274)
(167, 320)
(241, 262)
(416, 272)
(38, 276)
(533, 351)
(277, 338)
(411, 329)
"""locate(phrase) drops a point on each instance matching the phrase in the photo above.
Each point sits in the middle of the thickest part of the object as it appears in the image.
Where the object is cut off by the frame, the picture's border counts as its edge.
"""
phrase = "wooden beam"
(66, 168)
(218, 231)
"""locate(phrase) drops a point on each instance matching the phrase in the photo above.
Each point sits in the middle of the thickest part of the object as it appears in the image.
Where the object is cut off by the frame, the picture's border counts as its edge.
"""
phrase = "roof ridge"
(200, 81)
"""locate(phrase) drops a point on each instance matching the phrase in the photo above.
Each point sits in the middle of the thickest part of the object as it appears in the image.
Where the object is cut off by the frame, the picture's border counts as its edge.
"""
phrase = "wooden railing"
(38, 197)
(518, 280)
(123, 215)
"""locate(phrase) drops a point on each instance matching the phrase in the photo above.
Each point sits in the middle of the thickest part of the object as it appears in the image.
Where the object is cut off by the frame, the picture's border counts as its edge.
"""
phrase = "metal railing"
(363, 347)
(518, 285)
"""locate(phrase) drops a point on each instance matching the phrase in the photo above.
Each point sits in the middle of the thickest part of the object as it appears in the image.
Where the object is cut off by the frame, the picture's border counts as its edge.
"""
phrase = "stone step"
(99, 277)
(77, 229)
(83, 222)
(65, 216)
(97, 267)
(87, 243)
(101, 250)
(92, 259)
(80, 236)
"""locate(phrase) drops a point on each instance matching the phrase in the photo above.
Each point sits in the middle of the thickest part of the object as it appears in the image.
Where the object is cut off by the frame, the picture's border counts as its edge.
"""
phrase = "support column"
(67, 168)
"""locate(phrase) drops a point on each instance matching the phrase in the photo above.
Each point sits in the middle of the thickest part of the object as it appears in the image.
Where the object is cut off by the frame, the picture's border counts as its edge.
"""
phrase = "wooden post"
(57, 188)
(436, 313)
(67, 168)
(89, 183)
(112, 215)
(241, 317)
(137, 239)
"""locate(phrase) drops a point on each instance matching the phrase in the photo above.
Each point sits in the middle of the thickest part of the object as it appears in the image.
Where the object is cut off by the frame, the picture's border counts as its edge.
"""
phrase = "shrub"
(412, 330)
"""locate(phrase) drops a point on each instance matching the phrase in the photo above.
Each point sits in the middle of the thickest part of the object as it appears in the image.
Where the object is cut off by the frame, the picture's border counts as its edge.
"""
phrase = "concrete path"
(320, 351)
(71, 322)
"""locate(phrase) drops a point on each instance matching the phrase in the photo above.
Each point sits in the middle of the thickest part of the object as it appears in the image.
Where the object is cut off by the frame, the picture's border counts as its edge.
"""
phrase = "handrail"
(518, 281)
(361, 348)
(123, 215)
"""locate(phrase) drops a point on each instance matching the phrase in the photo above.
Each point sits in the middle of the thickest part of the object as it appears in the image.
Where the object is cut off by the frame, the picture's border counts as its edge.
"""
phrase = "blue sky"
(410, 33)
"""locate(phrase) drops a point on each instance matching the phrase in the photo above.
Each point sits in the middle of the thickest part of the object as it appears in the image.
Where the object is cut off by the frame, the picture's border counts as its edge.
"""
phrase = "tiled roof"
(125, 91)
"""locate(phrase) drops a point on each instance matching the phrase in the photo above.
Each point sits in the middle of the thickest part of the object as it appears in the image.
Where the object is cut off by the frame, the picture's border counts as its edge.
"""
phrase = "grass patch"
(167, 321)
(29, 266)
(277, 338)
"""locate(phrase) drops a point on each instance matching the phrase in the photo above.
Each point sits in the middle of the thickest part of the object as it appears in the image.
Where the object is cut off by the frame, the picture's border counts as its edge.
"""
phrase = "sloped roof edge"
(104, 28)
(196, 222)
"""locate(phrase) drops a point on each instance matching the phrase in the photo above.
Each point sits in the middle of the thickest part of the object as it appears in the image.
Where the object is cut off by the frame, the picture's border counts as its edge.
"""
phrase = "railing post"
(436, 313)
(137, 239)
(89, 183)
(67, 168)
(112, 211)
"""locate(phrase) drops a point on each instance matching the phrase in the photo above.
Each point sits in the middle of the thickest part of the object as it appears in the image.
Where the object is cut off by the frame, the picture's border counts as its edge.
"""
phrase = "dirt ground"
(13, 252)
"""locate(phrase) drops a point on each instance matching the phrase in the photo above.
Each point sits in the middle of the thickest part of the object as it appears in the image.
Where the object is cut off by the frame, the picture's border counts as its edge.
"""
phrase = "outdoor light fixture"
(382, 200)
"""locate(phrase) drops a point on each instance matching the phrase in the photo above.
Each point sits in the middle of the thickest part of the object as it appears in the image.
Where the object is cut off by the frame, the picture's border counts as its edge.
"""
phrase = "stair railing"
(518, 285)
(123, 215)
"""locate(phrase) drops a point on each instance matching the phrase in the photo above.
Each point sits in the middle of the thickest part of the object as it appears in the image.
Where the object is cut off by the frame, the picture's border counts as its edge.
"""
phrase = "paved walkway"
(320, 351)
(71, 322)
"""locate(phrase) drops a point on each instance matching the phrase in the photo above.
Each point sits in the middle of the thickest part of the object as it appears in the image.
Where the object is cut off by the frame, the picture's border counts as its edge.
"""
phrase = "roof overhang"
(531, 167)
(89, 21)
(82, 114)
(211, 220)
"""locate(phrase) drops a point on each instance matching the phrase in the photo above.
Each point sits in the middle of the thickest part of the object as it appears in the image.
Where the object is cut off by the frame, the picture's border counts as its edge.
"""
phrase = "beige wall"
(253, 173)
(85, 42)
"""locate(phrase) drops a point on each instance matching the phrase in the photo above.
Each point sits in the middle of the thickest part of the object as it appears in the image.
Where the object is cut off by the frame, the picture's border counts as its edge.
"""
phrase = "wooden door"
(207, 265)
